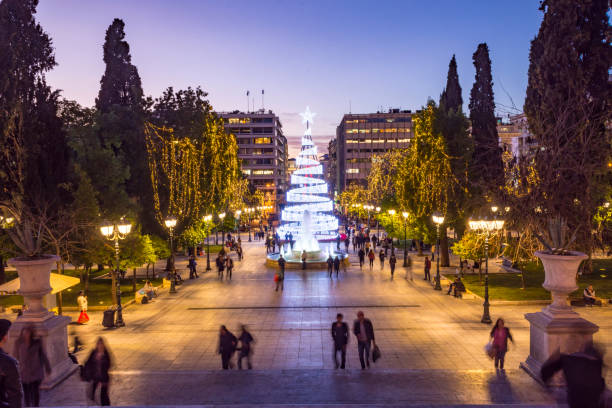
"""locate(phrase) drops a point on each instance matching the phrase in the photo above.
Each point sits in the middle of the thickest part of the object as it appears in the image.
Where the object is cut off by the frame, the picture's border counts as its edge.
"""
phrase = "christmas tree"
(308, 200)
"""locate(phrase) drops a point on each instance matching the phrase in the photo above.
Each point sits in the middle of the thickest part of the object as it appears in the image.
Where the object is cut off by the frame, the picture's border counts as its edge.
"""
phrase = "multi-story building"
(263, 150)
(361, 137)
(514, 136)
(332, 164)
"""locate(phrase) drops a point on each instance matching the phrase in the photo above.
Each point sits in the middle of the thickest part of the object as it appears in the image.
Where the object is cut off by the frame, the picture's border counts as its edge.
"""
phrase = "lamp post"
(377, 224)
(487, 226)
(438, 220)
(405, 215)
(249, 212)
(170, 224)
(392, 214)
(115, 232)
(207, 220)
(237, 213)
(221, 217)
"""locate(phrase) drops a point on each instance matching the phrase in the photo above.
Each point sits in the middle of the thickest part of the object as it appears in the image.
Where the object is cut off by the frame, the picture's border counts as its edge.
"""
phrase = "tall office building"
(263, 150)
(361, 137)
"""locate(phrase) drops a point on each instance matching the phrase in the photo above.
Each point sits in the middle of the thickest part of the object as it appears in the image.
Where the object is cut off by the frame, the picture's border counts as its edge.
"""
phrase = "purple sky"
(325, 54)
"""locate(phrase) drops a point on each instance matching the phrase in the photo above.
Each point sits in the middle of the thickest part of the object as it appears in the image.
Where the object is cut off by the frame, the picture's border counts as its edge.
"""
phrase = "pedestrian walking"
(10, 378)
(337, 265)
(382, 256)
(583, 374)
(392, 262)
(245, 339)
(371, 257)
(304, 258)
(280, 276)
(192, 267)
(340, 336)
(361, 254)
(33, 363)
(364, 331)
(347, 242)
(330, 265)
(229, 263)
(96, 371)
(82, 302)
(427, 269)
(227, 347)
(220, 265)
(499, 336)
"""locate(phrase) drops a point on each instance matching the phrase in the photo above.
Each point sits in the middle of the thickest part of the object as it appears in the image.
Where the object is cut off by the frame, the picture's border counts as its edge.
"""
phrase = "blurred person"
(330, 265)
(427, 266)
(589, 296)
(280, 281)
(382, 256)
(227, 347)
(364, 331)
(304, 258)
(500, 335)
(10, 378)
(583, 375)
(392, 262)
(246, 351)
(96, 370)
(340, 336)
(371, 257)
(361, 255)
(82, 302)
(33, 364)
(337, 265)
(230, 267)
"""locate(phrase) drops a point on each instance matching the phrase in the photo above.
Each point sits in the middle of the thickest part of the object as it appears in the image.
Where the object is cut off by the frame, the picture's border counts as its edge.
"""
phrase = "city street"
(431, 344)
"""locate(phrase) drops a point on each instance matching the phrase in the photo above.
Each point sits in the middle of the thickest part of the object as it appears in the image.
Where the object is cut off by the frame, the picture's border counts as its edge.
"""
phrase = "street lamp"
(405, 215)
(207, 220)
(170, 224)
(115, 232)
(378, 224)
(249, 211)
(438, 220)
(487, 226)
(221, 217)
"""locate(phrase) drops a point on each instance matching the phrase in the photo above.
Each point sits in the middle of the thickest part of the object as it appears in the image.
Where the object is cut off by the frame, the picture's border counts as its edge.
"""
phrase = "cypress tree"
(120, 105)
(567, 107)
(486, 167)
(453, 125)
(451, 96)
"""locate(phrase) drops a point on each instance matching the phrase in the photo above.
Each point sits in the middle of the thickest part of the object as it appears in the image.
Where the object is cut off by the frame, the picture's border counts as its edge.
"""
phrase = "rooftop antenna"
(262, 100)
(248, 92)
(350, 108)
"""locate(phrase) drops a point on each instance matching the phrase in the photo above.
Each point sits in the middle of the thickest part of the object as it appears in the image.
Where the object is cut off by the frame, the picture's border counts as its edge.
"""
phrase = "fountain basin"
(315, 259)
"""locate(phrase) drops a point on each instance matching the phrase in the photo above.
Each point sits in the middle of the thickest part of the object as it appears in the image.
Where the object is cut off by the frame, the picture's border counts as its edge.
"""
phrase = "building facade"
(514, 136)
(263, 151)
(361, 137)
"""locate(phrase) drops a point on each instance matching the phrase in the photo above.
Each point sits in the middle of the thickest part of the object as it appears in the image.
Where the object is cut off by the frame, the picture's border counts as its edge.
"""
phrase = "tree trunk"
(87, 271)
(419, 248)
(148, 271)
(2, 271)
(444, 257)
(134, 280)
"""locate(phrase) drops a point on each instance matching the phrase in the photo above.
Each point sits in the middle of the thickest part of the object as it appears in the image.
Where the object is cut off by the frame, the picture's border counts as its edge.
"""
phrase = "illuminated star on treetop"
(308, 116)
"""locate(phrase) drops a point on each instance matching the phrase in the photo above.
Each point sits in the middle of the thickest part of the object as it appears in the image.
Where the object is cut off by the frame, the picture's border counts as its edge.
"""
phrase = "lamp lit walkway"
(429, 341)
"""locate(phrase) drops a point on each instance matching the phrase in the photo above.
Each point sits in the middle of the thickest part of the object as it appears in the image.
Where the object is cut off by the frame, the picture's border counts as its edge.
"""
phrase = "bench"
(139, 295)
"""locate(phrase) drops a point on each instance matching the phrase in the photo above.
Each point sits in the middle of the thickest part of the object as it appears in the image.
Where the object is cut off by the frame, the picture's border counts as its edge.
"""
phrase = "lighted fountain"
(308, 217)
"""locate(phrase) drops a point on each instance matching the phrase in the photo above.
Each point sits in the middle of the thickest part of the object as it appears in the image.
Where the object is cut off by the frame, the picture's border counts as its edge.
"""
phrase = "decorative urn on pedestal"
(34, 280)
(557, 327)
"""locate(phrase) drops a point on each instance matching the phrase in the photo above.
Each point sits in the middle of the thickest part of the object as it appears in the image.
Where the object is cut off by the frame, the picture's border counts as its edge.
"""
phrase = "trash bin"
(109, 318)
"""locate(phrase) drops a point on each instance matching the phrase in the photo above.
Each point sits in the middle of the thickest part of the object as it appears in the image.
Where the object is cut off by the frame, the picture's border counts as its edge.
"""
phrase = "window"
(245, 120)
(352, 131)
(245, 130)
(262, 172)
(403, 140)
(243, 141)
(352, 141)
(263, 140)
(246, 172)
(234, 120)
(391, 130)
(367, 141)
(352, 171)
(390, 120)
(364, 130)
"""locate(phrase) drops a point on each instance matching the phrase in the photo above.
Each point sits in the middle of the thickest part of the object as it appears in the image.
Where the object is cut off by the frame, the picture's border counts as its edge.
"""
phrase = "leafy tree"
(486, 172)
(381, 183)
(33, 153)
(568, 107)
(161, 249)
(472, 246)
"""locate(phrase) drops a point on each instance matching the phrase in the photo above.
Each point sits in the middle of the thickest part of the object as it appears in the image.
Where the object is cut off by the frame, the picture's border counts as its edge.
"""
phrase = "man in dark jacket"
(245, 348)
(337, 265)
(340, 335)
(227, 347)
(364, 331)
(330, 265)
(11, 392)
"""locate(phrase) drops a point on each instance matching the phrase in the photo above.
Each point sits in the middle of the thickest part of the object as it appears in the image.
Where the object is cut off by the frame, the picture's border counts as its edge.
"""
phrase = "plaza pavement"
(432, 344)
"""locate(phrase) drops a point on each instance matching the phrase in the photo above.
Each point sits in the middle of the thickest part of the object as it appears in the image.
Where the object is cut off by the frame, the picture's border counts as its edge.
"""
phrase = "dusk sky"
(326, 54)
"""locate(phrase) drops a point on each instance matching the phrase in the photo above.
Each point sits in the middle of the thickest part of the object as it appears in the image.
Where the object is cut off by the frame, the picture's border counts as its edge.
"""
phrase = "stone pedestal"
(549, 334)
(557, 328)
(52, 330)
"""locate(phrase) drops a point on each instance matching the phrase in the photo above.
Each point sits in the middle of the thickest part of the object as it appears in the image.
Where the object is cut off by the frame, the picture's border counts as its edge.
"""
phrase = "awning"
(58, 283)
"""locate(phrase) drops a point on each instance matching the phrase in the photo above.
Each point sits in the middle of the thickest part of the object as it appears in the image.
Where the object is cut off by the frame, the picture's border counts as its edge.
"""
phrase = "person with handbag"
(340, 336)
(33, 363)
(500, 335)
(96, 371)
(11, 391)
(364, 331)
